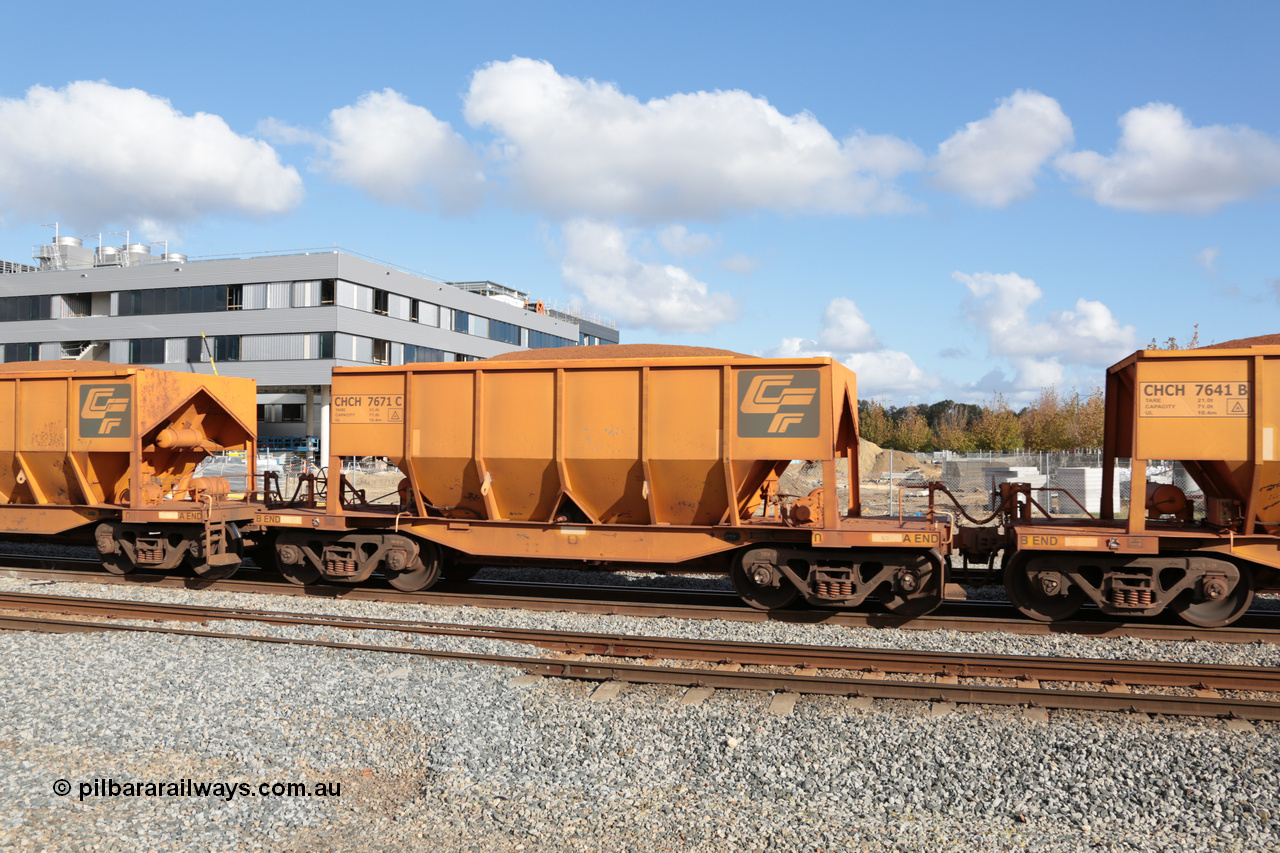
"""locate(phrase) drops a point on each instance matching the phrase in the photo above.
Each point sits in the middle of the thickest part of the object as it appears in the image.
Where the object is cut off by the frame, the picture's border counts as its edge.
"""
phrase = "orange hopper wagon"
(1216, 411)
(588, 457)
(108, 453)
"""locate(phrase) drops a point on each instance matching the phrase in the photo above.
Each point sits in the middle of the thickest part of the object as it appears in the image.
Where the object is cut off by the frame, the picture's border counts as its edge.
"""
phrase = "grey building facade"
(285, 320)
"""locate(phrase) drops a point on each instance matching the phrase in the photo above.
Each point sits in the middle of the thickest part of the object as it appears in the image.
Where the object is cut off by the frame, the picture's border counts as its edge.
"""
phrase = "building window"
(291, 413)
(21, 352)
(426, 313)
(460, 321)
(220, 347)
(328, 291)
(226, 347)
(416, 354)
(381, 352)
(24, 308)
(146, 351)
(507, 333)
(174, 300)
(543, 340)
(324, 345)
(235, 297)
(380, 301)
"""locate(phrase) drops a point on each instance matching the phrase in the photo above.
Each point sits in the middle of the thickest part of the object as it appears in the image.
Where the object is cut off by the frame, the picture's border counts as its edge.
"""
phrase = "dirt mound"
(800, 478)
(64, 365)
(645, 351)
(895, 460)
(1242, 343)
(867, 455)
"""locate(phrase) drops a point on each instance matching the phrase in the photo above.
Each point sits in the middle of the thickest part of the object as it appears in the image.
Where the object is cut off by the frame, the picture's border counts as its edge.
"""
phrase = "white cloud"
(598, 264)
(1208, 258)
(798, 348)
(889, 372)
(96, 154)
(740, 264)
(995, 160)
(395, 151)
(679, 241)
(846, 336)
(998, 304)
(1036, 373)
(1164, 164)
(582, 148)
(1030, 376)
(844, 329)
(286, 134)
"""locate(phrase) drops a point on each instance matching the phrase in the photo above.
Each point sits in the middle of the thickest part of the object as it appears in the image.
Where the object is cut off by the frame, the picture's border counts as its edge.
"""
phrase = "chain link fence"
(1065, 484)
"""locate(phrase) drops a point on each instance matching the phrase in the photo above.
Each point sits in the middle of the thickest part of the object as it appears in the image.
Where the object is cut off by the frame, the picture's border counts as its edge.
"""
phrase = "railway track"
(862, 674)
(968, 617)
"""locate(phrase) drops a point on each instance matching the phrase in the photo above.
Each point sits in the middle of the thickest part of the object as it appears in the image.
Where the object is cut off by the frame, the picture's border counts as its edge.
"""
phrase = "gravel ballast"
(450, 756)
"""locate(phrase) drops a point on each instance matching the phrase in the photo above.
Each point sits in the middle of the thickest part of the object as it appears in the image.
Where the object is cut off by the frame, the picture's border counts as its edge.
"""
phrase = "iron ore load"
(108, 453)
(636, 456)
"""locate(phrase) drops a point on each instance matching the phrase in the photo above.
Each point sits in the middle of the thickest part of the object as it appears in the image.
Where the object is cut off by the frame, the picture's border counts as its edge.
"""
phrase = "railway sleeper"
(306, 556)
(1207, 591)
(906, 582)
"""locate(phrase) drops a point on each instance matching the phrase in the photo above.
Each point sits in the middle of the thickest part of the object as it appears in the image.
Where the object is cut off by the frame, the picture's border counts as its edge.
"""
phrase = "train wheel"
(117, 564)
(220, 564)
(903, 596)
(211, 572)
(294, 565)
(1032, 598)
(1206, 613)
(757, 579)
(422, 573)
(113, 557)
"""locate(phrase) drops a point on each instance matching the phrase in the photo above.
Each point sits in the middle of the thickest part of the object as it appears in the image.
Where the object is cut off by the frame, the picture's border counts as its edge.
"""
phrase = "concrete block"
(697, 695)
(608, 691)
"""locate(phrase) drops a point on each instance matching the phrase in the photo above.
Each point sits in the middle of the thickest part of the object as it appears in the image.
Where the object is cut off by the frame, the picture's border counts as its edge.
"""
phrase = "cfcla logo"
(104, 410)
(767, 394)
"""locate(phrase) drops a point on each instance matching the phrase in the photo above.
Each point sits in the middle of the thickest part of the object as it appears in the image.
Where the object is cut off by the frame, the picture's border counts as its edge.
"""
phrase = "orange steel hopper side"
(671, 461)
(111, 450)
(1214, 410)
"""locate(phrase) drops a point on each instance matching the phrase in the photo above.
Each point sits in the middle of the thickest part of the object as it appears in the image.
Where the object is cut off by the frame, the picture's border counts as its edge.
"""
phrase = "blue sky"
(954, 199)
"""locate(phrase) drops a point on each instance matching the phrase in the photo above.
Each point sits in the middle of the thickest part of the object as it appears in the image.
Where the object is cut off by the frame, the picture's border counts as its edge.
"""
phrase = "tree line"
(1053, 421)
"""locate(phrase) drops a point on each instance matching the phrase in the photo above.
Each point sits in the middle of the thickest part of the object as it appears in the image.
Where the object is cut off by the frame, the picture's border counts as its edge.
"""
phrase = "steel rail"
(1246, 630)
(1064, 669)
(794, 683)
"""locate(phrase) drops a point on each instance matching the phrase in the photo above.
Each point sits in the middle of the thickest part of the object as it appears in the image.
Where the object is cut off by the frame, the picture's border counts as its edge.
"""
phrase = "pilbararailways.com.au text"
(190, 788)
